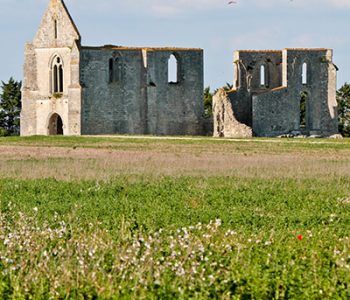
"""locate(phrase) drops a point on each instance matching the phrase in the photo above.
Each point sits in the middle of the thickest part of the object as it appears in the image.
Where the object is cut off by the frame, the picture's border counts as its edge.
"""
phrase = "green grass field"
(149, 218)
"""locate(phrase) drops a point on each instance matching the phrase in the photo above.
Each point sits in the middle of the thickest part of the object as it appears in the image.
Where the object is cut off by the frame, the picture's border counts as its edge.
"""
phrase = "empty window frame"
(262, 75)
(304, 97)
(304, 76)
(173, 66)
(236, 75)
(111, 70)
(57, 81)
(56, 29)
(114, 73)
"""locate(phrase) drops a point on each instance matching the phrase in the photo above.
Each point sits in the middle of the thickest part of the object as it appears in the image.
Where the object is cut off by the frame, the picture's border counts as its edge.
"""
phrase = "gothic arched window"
(114, 70)
(173, 69)
(57, 75)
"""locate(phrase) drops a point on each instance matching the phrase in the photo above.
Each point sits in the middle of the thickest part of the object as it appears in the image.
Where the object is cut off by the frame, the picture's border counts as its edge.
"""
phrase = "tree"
(208, 102)
(10, 107)
(343, 99)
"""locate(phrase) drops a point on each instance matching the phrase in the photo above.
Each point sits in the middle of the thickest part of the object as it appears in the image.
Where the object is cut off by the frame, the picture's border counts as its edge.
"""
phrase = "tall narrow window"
(56, 31)
(57, 82)
(236, 75)
(114, 70)
(60, 77)
(172, 69)
(111, 71)
(55, 79)
(262, 76)
(304, 73)
(303, 109)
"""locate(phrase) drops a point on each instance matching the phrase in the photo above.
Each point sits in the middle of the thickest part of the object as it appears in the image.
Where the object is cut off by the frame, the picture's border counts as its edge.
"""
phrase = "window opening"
(236, 75)
(60, 75)
(55, 81)
(262, 76)
(114, 70)
(303, 109)
(111, 70)
(172, 69)
(304, 73)
(56, 31)
(57, 76)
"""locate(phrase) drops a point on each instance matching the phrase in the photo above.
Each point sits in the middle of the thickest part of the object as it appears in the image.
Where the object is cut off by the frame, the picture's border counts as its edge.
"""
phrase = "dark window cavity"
(114, 70)
(303, 109)
(111, 70)
(56, 31)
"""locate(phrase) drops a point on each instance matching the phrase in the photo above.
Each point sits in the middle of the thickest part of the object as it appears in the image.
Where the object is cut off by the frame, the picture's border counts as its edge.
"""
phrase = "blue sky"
(214, 25)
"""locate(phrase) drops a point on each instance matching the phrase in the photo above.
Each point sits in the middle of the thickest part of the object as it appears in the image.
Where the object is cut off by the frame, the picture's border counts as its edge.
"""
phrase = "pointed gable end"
(57, 28)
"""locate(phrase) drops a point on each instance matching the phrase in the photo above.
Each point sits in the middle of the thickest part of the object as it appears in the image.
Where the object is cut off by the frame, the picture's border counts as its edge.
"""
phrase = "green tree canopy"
(10, 107)
(343, 99)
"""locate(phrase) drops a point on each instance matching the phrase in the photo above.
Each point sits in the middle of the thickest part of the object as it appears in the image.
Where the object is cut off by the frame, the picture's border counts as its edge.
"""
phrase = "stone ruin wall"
(141, 100)
(273, 108)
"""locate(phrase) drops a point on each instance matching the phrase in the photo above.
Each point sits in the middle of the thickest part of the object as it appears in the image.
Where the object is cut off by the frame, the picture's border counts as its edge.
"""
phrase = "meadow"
(174, 218)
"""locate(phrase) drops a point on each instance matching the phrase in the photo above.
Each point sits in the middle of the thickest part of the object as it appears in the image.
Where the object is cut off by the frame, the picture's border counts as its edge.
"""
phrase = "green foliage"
(10, 107)
(175, 238)
(183, 237)
(208, 102)
(343, 99)
(208, 99)
(227, 87)
(303, 101)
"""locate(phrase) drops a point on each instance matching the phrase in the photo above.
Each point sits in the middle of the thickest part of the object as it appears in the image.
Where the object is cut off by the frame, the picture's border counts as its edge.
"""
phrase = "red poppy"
(300, 237)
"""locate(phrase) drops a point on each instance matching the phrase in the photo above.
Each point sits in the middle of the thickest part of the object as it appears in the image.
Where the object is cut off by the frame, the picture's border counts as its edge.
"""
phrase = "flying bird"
(232, 2)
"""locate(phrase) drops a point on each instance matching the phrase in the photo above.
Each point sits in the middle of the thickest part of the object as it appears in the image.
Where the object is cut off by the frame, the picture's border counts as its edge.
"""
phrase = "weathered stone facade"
(276, 93)
(72, 89)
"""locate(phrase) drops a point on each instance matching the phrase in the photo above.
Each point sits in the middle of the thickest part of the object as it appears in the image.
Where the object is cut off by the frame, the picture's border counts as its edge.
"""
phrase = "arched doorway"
(55, 125)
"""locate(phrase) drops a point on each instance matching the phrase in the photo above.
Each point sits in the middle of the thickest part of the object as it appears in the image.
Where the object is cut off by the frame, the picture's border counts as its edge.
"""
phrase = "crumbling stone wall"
(278, 112)
(141, 100)
(225, 122)
(268, 87)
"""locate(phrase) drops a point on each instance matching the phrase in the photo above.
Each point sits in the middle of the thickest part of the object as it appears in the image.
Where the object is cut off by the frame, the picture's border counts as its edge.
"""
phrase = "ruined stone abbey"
(72, 89)
(275, 93)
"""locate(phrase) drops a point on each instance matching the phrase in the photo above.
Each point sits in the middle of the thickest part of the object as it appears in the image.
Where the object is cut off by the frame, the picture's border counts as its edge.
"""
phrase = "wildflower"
(300, 237)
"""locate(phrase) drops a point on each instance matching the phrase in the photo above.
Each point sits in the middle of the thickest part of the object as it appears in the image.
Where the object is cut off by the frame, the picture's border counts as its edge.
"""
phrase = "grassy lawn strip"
(263, 145)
